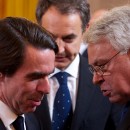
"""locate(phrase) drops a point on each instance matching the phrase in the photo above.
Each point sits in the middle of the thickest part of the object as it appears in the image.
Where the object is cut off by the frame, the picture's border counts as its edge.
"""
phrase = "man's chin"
(32, 109)
(117, 100)
(61, 66)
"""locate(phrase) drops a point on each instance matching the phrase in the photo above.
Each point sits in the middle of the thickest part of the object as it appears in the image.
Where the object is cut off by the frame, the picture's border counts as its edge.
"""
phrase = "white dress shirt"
(73, 70)
(7, 116)
(83, 47)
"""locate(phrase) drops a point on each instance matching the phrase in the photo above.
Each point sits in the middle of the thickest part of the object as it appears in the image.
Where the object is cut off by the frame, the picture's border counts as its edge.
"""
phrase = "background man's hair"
(65, 7)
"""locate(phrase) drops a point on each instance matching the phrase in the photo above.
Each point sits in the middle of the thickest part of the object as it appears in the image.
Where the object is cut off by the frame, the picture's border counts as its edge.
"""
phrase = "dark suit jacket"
(125, 124)
(31, 122)
(85, 53)
(93, 111)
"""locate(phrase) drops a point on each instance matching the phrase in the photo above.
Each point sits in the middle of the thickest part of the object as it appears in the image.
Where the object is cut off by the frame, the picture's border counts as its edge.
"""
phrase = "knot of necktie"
(62, 77)
(18, 124)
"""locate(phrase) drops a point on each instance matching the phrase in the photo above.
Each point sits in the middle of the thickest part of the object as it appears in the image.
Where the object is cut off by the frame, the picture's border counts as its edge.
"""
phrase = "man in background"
(109, 58)
(67, 20)
(96, 15)
(24, 68)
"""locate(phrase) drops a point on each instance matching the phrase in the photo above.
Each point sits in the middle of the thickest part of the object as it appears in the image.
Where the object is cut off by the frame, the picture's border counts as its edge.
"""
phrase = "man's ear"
(128, 53)
(1, 77)
(87, 27)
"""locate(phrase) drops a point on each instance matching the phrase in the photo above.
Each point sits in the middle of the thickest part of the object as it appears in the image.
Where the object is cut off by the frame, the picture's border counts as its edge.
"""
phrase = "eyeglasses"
(99, 69)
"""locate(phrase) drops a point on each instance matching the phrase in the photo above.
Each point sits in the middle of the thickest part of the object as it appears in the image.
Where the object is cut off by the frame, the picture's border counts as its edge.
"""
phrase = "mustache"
(37, 96)
(63, 54)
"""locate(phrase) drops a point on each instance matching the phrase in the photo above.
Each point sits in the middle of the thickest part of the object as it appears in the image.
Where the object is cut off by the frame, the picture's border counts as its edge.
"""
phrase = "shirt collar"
(6, 115)
(72, 69)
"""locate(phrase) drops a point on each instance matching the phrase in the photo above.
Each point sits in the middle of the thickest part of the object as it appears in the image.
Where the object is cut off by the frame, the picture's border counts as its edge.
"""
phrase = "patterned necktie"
(19, 123)
(62, 111)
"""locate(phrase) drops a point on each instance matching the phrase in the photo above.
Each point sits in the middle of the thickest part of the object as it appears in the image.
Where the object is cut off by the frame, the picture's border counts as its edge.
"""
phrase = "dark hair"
(65, 7)
(15, 35)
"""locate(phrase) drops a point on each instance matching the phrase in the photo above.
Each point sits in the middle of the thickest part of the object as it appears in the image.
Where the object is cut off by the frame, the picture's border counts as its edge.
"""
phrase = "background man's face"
(67, 32)
(116, 85)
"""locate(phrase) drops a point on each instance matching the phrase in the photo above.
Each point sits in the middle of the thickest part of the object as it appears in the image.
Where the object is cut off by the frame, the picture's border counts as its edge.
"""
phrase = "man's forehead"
(102, 45)
(99, 49)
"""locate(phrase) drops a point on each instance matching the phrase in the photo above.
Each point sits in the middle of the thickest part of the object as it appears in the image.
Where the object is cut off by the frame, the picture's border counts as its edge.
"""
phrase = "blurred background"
(106, 4)
(26, 8)
(21, 8)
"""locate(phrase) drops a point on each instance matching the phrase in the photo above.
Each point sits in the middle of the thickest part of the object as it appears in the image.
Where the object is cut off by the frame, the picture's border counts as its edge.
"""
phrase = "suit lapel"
(85, 53)
(85, 94)
(32, 123)
(2, 127)
(43, 113)
(125, 124)
(29, 125)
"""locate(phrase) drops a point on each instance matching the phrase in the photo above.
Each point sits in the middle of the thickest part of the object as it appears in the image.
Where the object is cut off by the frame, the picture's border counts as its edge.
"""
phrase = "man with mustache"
(27, 55)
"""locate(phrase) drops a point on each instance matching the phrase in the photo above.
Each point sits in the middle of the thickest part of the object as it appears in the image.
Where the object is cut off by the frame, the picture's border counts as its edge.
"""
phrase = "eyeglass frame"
(99, 69)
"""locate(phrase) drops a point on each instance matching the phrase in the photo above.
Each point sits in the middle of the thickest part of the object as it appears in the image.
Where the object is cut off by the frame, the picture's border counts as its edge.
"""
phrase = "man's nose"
(97, 79)
(44, 85)
(61, 45)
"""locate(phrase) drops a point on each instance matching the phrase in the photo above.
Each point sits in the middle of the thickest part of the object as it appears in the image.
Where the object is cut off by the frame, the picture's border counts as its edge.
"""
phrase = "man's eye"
(102, 66)
(36, 76)
(68, 40)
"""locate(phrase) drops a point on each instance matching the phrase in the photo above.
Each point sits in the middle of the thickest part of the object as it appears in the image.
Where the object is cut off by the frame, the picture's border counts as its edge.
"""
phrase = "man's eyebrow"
(99, 62)
(37, 75)
(69, 36)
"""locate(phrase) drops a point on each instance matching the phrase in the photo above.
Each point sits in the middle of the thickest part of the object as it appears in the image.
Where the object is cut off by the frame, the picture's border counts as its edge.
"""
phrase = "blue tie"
(62, 113)
(18, 124)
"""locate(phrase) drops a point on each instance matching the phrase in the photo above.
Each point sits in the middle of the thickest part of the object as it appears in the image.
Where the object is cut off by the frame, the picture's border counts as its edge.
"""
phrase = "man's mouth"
(60, 58)
(36, 101)
(106, 93)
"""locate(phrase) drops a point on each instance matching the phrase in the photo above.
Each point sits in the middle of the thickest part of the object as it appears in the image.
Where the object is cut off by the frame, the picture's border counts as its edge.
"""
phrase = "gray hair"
(113, 26)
